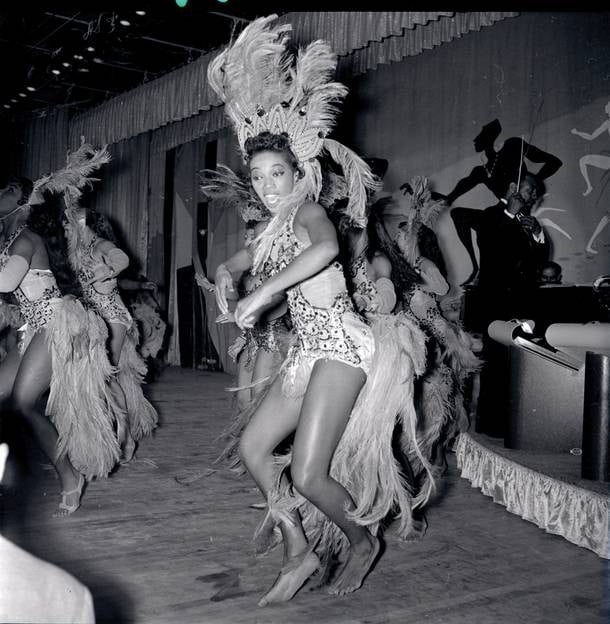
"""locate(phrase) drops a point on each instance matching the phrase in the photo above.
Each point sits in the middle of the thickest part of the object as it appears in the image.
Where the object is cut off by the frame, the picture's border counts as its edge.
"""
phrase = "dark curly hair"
(268, 142)
(46, 220)
(25, 185)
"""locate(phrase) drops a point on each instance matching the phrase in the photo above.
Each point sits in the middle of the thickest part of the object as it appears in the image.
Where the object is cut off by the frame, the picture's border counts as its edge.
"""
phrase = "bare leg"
(117, 333)
(244, 378)
(598, 230)
(263, 368)
(331, 395)
(274, 420)
(33, 378)
(592, 160)
(466, 220)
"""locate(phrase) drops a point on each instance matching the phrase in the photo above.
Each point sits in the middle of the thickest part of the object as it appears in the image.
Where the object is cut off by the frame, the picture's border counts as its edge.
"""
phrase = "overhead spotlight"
(97, 59)
(84, 70)
(56, 72)
(223, 1)
(30, 89)
(22, 94)
(6, 105)
(13, 100)
(66, 64)
(141, 13)
(124, 22)
(182, 3)
(79, 57)
(90, 49)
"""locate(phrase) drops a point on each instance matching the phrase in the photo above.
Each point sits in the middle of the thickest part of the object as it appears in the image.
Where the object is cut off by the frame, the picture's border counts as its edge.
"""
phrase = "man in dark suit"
(512, 247)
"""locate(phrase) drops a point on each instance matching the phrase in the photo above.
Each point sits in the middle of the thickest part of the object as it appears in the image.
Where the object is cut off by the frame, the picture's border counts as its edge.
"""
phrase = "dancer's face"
(10, 196)
(273, 177)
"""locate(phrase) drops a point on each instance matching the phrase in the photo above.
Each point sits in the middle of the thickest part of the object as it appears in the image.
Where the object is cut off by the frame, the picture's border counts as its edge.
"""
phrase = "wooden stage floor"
(168, 539)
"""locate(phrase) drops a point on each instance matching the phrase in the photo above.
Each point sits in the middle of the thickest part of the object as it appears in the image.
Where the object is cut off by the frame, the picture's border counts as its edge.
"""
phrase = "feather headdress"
(223, 184)
(75, 176)
(266, 88)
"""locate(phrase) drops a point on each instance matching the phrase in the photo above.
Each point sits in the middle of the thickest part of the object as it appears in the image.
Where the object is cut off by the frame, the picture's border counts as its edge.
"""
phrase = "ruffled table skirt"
(561, 508)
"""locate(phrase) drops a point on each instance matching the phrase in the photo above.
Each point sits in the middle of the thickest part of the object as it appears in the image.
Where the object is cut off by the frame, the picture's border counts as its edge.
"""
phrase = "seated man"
(550, 274)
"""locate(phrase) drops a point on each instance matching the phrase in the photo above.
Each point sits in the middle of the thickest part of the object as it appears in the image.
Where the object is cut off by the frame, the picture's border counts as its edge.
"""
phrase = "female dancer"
(282, 109)
(451, 360)
(62, 347)
(97, 262)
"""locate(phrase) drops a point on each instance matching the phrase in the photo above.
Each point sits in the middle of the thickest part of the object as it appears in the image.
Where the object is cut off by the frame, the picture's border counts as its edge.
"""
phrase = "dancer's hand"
(224, 284)
(250, 308)
(530, 224)
(202, 282)
(228, 317)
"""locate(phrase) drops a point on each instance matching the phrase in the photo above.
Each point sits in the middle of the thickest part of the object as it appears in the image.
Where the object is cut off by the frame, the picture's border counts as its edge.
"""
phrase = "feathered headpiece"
(266, 88)
(75, 176)
(235, 190)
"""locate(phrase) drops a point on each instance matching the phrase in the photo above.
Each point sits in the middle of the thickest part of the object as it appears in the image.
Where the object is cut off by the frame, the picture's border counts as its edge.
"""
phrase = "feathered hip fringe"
(143, 417)
(369, 471)
(80, 404)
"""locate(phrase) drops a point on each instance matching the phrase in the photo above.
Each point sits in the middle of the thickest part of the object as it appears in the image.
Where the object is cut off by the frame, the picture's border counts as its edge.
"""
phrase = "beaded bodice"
(317, 305)
(363, 285)
(37, 293)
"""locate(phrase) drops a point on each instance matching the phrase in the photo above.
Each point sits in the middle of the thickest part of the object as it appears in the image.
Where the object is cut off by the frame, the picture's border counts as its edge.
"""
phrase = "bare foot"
(292, 577)
(359, 562)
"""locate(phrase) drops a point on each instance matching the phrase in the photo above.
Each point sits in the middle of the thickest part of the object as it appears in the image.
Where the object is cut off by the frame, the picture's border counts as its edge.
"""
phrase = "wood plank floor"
(168, 539)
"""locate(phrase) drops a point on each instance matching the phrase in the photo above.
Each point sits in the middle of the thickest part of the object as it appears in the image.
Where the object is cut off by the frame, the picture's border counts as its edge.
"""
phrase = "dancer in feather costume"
(259, 350)
(62, 348)
(97, 262)
(283, 108)
(450, 361)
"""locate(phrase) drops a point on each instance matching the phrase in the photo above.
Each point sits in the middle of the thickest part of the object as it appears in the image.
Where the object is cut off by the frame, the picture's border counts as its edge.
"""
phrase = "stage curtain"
(122, 194)
(45, 144)
(185, 92)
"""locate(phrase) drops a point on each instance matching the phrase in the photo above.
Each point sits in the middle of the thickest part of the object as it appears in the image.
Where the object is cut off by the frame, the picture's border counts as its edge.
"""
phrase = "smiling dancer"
(283, 107)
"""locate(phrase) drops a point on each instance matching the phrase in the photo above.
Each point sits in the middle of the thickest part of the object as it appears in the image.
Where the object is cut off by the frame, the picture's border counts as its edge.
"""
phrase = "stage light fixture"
(79, 57)
(125, 22)
(182, 3)
(22, 94)
(98, 60)
(6, 105)
(30, 89)
(223, 1)
(56, 72)
(85, 70)
(13, 100)
(66, 64)
(141, 13)
(90, 49)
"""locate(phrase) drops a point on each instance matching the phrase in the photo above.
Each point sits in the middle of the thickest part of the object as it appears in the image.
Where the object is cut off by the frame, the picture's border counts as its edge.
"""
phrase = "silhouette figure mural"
(500, 169)
(599, 161)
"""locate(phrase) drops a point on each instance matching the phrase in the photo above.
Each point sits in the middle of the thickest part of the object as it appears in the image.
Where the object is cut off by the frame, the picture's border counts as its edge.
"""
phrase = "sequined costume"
(325, 322)
(79, 404)
(105, 300)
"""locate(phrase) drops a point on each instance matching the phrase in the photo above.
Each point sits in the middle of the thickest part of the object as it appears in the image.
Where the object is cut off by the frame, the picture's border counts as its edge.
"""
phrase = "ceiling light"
(223, 1)
(83, 69)
(30, 89)
(125, 22)
(7, 105)
(66, 64)
(78, 57)
(56, 72)
(97, 60)
(13, 100)
(141, 13)
(90, 49)
(181, 3)
(22, 94)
